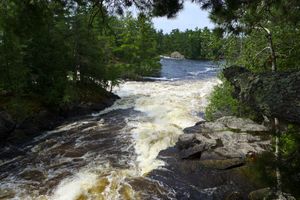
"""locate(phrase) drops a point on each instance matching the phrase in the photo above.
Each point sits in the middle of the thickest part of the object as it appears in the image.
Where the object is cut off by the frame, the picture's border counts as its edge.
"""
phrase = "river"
(108, 155)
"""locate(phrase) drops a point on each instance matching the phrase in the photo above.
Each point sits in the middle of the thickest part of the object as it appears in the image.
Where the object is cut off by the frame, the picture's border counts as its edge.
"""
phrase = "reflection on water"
(107, 155)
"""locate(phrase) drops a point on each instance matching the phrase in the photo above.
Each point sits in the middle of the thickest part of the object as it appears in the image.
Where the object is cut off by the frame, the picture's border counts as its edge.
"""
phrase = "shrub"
(221, 102)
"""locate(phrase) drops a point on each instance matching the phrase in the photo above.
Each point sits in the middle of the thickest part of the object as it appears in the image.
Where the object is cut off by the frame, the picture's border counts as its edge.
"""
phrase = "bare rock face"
(242, 125)
(271, 94)
(214, 160)
(227, 138)
(211, 160)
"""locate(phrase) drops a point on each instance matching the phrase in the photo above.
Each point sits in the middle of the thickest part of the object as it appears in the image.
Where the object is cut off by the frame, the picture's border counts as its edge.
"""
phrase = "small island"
(176, 55)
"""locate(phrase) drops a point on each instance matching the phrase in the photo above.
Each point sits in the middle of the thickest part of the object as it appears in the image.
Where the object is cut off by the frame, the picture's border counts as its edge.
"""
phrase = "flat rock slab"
(227, 137)
(242, 125)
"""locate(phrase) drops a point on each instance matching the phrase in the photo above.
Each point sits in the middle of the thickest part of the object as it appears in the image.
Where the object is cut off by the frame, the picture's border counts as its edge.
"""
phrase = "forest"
(198, 44)
(57, 53)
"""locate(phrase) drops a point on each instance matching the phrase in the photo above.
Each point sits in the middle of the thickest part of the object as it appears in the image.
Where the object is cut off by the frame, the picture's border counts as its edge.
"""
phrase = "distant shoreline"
(196, 59)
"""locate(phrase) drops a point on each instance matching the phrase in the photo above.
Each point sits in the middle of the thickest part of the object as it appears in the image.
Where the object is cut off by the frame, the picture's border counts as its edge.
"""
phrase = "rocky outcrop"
(271, 94)
(226, 138)
(177, 55)
(212, 159)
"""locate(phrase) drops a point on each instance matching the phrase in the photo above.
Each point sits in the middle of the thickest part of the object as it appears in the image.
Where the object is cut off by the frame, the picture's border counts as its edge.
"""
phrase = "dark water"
(112, 154)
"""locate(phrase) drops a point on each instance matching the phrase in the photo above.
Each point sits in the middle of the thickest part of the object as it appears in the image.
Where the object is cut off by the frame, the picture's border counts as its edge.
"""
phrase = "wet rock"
(192, 152)
(7, 125)
(210, 160)
(192, 145)
(186, 140)
(206, 127)
(191, 179)
(270, 94)
(223, 164)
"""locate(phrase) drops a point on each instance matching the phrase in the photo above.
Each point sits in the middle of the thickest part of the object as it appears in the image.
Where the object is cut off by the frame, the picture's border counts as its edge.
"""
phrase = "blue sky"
(188, 18)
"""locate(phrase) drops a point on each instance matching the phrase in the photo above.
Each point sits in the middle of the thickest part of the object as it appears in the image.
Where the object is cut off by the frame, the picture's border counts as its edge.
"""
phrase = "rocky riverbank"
(213, 160)
(16, 132)
(218, 159)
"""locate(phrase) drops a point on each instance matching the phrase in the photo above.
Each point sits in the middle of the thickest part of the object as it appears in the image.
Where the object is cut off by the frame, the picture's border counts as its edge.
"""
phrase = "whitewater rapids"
(167, 108)
(108, 155)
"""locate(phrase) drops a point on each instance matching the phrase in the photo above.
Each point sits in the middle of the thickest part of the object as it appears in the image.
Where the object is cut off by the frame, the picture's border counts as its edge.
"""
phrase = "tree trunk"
(273, 55)
(276, 121)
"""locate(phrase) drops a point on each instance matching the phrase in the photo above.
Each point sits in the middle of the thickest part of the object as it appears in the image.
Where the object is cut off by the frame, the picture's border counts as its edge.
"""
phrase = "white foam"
(197, 73)
(70, 189)
(160, 78)
(167, 108)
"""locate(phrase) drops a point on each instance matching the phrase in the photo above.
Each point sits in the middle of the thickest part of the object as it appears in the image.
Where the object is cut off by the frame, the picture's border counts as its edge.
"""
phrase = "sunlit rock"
(177, 55)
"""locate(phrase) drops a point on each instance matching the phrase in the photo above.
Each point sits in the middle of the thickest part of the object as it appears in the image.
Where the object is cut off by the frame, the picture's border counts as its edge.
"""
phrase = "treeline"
(194, 44)
(60, 52)
(253, 51)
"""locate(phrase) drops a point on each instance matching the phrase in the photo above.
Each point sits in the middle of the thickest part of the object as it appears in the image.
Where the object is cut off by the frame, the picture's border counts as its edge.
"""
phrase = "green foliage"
(251, 50)
(138, 49)
(290, 159)
(193, 44)
(290, 140)
(221, 102)
(254, 28)
(259, 36)
(49, 49)
(262, 169)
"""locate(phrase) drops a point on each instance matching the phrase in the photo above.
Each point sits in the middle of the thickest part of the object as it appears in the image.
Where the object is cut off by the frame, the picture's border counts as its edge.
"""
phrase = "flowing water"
(108, 155)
